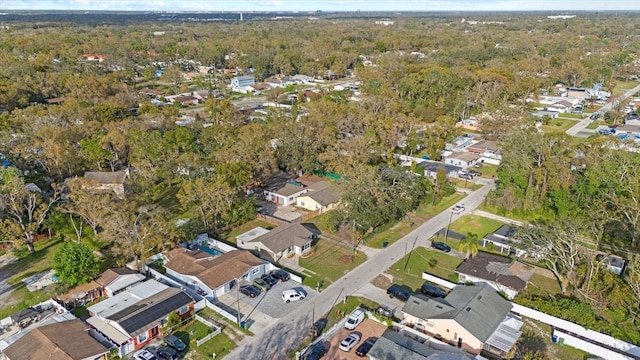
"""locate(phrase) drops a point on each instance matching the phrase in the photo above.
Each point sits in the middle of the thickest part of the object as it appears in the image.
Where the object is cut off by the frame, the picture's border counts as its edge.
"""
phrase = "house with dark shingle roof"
(466, 318)
(67, 340)
(320, 197)
(501, 273)
(107, 181)
(501, 239)
(213, 275)
(393, 345)
(116, 280)
(283, 241)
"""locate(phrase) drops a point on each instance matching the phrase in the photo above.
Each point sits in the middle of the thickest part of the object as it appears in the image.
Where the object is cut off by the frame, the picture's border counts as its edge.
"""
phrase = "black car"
(269, 279)
(398, 292)
(175, 342)
(250, 290)
(167, 353)
(316, 352)
(317, 327)
(280, 275)
(441, 246)
(432, 290)
(363, 349)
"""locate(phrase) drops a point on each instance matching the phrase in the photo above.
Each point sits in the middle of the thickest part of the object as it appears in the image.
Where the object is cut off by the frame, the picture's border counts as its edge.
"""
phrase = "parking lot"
(366, 329)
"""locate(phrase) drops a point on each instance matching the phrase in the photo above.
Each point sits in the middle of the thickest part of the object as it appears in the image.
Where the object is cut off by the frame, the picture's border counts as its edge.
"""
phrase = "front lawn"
(541, 285)
(230, 236)
(408, 270)
(557, 126)
(220, 344)
(475, 224)
(329, 262)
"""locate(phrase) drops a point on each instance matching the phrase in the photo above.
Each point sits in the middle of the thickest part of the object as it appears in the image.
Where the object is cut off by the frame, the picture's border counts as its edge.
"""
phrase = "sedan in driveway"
(269, 279)
(175, 342)
(167, 353)
(144, 355)
(441, 246)
(261, 284)
(349, 342)
(250, 291)
(363, 349)
(398, 292)
(280, 275)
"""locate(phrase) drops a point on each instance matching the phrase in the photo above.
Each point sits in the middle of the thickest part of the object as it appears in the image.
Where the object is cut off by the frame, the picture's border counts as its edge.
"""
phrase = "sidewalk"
(498, 217)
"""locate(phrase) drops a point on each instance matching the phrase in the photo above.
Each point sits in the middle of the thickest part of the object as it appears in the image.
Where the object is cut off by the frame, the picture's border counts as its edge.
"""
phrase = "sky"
(324, 5)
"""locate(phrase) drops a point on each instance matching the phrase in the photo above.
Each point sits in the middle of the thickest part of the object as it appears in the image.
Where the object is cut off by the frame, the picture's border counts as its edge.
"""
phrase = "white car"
(144, 355)
(457, 209)
(292, 295)
(349, 342)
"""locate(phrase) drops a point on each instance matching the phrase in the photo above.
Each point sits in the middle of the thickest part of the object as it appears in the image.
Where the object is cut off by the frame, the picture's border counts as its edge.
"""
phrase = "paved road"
(287, 333)
(582, 124)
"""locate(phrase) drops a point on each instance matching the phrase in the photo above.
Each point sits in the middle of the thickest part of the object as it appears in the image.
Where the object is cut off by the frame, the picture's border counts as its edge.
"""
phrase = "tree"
(75, 263)
(25, 209)
(469, 245)
(89, 205)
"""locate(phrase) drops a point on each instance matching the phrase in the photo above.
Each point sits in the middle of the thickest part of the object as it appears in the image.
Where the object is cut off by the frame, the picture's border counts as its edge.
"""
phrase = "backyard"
(230, 236)
(328, 262)
(408, 270)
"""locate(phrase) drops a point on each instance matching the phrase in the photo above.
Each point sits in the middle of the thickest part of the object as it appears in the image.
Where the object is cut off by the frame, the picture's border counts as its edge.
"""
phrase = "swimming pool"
(209, 250)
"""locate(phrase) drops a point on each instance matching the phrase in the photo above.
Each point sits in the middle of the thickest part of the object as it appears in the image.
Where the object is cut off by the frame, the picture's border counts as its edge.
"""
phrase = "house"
(430, 168)
(287, 194)
(302, 79)
(464, 160)
(136, 316)
(283, 241)
(55, 101)
(501, 239)
(212, 275)
(67, 340)
(472, 318)
(483, 146)
(543, 113)
(116, 280)
(25, 317)
(80, 295)
(185, 100)
(240, 83)
(320, 197)
(152, 92)
(258, 88)
(108, 181)
(560, 106)
(575, 92)
(615, 264)
(394, 345)
(500, 272)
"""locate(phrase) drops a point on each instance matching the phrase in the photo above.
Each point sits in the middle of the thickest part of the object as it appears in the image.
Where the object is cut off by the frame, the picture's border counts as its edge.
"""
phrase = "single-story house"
(108, 181)
(152, 92)
(242, 83)
(483, 146)
(287, 194)
(212, 275)
(560, 106)
(321, 196)
(80, 295)
(283, 241)
(543, 113)
(464, 160)
(302, 79)
(185, 100)
(67, 340)
(615, 264)
(259, 87)
(501, 239)
(469, 317)
(500, 272)
(394, 345)
(136, 316)
(430, 168)
(25, 317)
(115, 280)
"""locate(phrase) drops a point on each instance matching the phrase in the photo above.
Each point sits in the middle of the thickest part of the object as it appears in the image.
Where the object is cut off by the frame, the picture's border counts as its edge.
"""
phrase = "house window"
(255, 271)
(455, 336)
(291, 198)
(142, 338)
(183, 310)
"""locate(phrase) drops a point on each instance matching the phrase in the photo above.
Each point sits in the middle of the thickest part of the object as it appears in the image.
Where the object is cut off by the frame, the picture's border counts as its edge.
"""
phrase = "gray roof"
(288, 190)
(395, 346)
(478, 308)
(282, 237)
(497, 239)
(505, 231)
(116, 177)
(323, 194)
(498, 269)
(433, 166)
(614, 261)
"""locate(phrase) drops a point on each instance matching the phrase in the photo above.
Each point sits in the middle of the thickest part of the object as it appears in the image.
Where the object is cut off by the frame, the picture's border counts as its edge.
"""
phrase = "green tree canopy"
(75, 263)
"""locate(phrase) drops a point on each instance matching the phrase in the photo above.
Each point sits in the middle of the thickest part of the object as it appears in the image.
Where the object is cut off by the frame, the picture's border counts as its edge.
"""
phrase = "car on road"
(250, 291)
(457, 209)
(167, 353)
(292, 295)
(441, 246)
(595, 116)
(399, 292)
(144, 355)
(175, 342)
(280, 275)
(261, 284)
(349, 342)
(432, 290)
(269, 279)
(474, 172)
(364, 348)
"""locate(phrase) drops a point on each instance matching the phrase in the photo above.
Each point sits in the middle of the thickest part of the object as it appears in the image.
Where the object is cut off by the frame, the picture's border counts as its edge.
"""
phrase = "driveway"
(367, 329)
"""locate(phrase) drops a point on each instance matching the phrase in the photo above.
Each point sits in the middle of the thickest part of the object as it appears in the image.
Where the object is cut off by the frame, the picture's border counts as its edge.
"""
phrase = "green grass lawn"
(329, 262)
(475, 224)
(230, 236)
(557, 126)
(541, 285)
(31, 264)
(571, 116)
(536, 336)
(220, 344)
(408, 270)
(594, 125)
(324, 224)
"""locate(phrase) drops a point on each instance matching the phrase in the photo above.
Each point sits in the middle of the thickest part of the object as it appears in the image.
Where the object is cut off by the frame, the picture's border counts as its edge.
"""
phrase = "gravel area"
(366, 329)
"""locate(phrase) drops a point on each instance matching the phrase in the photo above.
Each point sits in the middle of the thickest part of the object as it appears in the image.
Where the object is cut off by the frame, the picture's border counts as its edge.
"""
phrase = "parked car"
(432, 290)
(363, 349)
(354, 319)
(144, 355)
(250, 291)
(280, 275)
(475, 173)
(167, 353)
(349, 342)
(317, 327)
(457, 209)
(316, 352)
(292, 295)
(399, 292)
(441, 246)
(261, 284)
(175, 342)
(269, 279)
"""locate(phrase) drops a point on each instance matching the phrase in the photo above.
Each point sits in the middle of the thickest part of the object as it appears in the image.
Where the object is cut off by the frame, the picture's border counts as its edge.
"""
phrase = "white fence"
(589, 347)
(596, 338)
(221, 311)
(208, 337)
(439, 281)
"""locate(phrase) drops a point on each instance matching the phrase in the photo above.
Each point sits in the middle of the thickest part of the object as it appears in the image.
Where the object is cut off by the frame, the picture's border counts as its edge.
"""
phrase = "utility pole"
(446, 231)
(238, 298)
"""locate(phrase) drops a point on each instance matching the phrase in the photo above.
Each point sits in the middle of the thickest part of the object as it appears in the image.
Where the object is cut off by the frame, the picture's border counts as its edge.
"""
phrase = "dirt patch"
(346, 259)
(382, 281)
(475, 224)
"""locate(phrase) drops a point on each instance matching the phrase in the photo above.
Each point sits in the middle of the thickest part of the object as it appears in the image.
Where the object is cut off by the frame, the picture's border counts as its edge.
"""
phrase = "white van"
(292, 295)
(354, 319)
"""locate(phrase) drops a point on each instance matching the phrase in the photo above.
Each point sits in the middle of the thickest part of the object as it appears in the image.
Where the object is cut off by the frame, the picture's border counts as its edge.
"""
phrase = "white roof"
(124, 281)
(108, 330)
(252, 234)
(126, 298)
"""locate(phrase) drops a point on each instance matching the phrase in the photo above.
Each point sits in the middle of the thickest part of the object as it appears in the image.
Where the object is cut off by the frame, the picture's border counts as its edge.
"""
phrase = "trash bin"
(554, 339)
(243, 325)
(384, 244)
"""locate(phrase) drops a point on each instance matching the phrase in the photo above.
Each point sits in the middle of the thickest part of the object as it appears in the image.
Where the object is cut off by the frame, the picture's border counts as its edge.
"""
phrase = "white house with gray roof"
(394, 345)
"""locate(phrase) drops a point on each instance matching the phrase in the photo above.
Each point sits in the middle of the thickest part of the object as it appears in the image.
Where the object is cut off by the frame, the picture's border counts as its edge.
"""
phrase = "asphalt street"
(288, 332)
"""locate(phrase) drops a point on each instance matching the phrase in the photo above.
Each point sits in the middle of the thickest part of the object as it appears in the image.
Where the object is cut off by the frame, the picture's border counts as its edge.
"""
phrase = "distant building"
(615, 264)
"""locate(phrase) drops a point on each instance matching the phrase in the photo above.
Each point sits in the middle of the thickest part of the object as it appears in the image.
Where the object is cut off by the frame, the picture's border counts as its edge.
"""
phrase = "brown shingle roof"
(285, 236)
(68, 340)
(79, 290)
(482, 146)
(289, 189)
(323, 193)
(213, 271)
(116, 177)
(110, 275)
(498, 269)
(464, 156)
